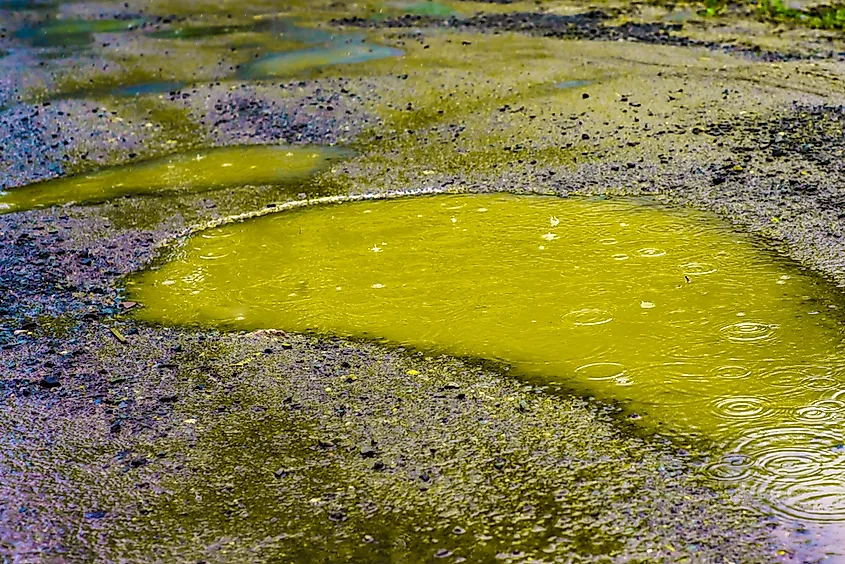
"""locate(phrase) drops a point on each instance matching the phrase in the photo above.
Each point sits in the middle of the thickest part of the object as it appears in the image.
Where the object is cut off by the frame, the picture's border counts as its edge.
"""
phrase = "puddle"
(423, 8)
(698, 330)
(567, 84)
(143, 89)
(192, 32)
(288, 63)
(284, 28)
(73, 32)
(196, 171)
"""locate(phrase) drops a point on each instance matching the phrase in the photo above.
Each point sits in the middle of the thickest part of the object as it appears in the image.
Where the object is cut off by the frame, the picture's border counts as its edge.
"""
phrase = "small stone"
(337, 516)
(281, 473)
(368, 452)
(378, 465)
(458, 531)
(443, 553)
(368, 539)
(499, 463)
(50, 382)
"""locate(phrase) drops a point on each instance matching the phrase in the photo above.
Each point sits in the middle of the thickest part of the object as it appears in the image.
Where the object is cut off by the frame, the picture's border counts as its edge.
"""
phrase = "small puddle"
(688, 322)
(73, 32)
(196, 171)
(146, 88)
(349, 51)
(284, 28)
(423, 8)
(567, 84)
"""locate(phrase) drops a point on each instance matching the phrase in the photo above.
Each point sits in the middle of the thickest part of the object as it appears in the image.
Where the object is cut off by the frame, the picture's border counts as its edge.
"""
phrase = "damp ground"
(236, 445)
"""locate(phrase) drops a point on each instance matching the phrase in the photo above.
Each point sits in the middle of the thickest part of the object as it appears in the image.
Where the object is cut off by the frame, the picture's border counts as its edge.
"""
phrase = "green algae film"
(196, 171)
(671, 310)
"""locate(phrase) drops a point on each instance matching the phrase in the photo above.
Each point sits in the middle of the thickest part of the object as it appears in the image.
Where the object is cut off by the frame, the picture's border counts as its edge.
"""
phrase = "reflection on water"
(700, 331)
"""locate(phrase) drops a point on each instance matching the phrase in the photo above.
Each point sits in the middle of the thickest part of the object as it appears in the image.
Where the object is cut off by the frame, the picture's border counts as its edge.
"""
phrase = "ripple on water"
(804, 378)
(214, 256)
(740, 407)
(729, 468)
(698, 268)
(676, 383)
(731, 372)
(651, 252)
(588, 317)
(800, 470)
(669, 227)
(602, 371)
(749, 331)
(822, 411)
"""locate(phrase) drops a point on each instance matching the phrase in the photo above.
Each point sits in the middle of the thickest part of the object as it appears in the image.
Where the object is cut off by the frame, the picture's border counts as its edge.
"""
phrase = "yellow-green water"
(195, 171)
(701, 331)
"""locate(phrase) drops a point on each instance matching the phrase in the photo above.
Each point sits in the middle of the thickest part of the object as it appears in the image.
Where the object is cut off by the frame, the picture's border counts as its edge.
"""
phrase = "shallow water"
(73, 32)
(349, 51)
(700, 331)
(195, 171)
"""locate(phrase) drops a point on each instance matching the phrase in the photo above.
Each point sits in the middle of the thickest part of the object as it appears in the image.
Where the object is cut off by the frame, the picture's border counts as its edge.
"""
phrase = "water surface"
(195, 171)
(342, 52)
(697, 328)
